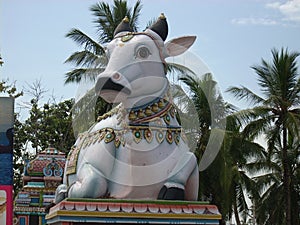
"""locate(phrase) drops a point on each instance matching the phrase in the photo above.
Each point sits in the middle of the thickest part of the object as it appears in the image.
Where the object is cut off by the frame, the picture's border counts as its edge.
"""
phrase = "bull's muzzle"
(112, 88)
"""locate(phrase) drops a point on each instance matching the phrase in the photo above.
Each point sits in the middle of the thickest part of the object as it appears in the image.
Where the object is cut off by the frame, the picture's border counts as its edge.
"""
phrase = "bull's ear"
(179, 45)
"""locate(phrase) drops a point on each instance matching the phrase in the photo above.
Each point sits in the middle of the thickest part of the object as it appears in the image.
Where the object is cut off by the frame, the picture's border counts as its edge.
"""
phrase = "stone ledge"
(132, 211)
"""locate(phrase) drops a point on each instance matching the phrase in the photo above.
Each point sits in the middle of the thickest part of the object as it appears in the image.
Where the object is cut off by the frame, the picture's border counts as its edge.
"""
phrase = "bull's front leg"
(91, 183)
(183, 181)
(60, 193)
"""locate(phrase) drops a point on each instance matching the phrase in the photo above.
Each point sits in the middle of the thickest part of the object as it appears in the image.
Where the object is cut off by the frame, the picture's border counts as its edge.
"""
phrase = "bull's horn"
(123, 26)
(161, 27)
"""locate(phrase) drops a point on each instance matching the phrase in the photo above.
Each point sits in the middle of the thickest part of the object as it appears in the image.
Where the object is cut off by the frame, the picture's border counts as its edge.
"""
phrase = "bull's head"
(136, 68)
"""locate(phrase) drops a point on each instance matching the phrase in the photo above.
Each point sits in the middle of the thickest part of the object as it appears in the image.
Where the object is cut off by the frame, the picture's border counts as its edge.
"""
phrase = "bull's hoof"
(171, 193)
(61, 193)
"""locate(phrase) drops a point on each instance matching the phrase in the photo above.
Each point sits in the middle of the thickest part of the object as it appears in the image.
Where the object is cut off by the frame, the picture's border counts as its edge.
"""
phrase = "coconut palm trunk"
(286, 177)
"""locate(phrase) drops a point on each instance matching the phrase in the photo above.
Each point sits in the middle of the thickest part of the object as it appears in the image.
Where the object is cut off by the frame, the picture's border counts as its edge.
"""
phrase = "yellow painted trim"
(131, 215)
(40, 220)
(29, 189)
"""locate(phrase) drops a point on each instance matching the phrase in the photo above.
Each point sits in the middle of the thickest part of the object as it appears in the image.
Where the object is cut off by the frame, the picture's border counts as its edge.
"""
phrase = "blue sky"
(231, 36)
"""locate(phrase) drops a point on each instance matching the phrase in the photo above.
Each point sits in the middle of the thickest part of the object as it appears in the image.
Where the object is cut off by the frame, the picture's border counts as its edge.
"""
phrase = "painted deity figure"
(137, 150)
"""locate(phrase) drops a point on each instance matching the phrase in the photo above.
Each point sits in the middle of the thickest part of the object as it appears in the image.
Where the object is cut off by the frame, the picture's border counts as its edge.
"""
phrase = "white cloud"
(290, 9)
(254, 21)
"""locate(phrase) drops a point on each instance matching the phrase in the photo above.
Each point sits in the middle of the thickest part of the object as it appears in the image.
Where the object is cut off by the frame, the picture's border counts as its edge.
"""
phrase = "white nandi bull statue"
(137, 150)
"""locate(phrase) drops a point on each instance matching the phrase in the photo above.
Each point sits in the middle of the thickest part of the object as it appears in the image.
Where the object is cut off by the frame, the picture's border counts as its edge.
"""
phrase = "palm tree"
(269, 205)
(210, 109)
(92, 60)
(226, 182)
(239, 156)
(209, 104)
(276, 114)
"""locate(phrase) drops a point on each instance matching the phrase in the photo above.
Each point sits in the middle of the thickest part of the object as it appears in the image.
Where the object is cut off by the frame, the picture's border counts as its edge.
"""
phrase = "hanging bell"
(161, 104)
(155, 107)
(132, 115)
(141, 114)
(148, 111)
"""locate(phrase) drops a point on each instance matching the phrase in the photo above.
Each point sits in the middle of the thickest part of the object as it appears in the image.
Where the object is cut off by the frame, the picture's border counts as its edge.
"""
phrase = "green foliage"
(50, 125)
(108, 17)
(9, 89)
(86, 111)
(209, 104)
(276, 115)
(226, 182)
(20, 153)
(269, 204)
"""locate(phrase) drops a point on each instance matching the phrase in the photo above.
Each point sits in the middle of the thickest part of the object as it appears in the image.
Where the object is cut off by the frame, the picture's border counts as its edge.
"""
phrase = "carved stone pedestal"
(108, 211)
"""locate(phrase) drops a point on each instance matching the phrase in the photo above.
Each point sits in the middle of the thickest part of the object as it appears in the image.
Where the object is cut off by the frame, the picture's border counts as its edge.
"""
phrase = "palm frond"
(84, 40)
(107, 17)
(134, 17)
(256, 128)
(293, 95)
(87, 59)
(76, 75)
(150, 23)
(244, 93)
(105, 21)
(241, 200)
(264, 181)
(178, 68)
(279, 77)
(120, 10)
(257, 166)
(244, 116)
(250, 150)
(269, 208)
(273, 136)
(293, 122)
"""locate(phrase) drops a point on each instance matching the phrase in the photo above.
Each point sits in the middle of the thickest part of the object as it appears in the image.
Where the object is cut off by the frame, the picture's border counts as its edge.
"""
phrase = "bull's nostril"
(116, 76)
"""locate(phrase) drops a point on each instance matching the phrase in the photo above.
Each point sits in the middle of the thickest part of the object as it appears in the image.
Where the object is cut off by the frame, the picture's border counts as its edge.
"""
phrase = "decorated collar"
(158, 108)
(155, 109)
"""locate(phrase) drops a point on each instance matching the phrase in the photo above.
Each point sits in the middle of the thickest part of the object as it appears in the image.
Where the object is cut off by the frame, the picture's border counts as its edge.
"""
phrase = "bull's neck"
(142, 101)
(147, 107)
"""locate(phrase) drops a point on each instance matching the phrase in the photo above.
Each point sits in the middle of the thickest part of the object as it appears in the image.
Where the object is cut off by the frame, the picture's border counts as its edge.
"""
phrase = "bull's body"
(136, 151)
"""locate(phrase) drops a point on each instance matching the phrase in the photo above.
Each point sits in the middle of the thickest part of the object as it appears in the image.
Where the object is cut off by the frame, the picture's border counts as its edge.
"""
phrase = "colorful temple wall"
(41, 177)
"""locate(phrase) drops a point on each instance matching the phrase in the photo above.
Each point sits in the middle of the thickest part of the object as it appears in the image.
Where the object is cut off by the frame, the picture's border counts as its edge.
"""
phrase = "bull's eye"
(142, 53)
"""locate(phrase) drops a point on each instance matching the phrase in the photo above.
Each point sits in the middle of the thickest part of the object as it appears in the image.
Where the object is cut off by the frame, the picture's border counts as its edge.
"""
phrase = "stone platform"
(108, 211)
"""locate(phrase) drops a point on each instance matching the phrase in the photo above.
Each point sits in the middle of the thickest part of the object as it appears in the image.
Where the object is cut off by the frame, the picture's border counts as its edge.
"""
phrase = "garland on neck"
(145, 113)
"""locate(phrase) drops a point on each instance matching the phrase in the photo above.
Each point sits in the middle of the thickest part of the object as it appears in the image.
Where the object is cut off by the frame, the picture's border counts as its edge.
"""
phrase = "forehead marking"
(126, 37)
